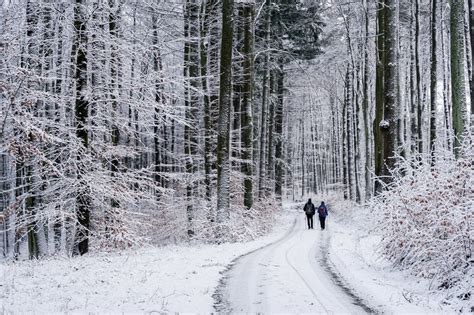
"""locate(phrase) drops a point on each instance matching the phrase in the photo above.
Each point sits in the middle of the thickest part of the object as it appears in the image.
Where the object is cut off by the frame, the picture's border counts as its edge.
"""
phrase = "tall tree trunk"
(356, 131)
(83, 202)
(237, 85)
(390, 124)
(191, 74)
(433, 78)
(303, 158)
(471, 32)
(270, 128)
(365, 106)
(379, 93)
(345, 144)
(419, 104)
(263, 129)
(114, 91)
(207, 23)
(265, 102)
(26, 165)
(225, 102)
(350, 130)
(457, 71)
(446, 86)
(247, 101)
(159, 100)
(413, 87)
(279, 131)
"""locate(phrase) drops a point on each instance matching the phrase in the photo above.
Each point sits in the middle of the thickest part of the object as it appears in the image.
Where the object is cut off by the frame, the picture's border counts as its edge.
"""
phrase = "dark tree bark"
(390, 124)
(446, 86)
(246, 108)
(433, 79)
(79, 52)
(270, 131)
(345, 166)
(264, 107)
(413, 86)
(349, 130)
(159, 99)
(379, 92)
(225, 102)
(471, 33)
(25, 162)
(208, 19)
(191, 74)
(303, 157)
(419, 105)
(365, 106)
(279, 131)
(113, 93)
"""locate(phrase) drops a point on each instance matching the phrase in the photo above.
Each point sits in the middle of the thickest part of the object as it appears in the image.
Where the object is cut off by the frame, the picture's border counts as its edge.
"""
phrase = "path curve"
(292, 275)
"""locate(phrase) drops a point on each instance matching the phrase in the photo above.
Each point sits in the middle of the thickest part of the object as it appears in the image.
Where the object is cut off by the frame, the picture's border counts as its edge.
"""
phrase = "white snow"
(384, 124)
(184, 278)
(171, 279)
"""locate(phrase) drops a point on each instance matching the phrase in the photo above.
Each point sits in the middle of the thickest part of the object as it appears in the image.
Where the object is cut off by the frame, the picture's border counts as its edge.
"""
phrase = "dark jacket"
(309, 208)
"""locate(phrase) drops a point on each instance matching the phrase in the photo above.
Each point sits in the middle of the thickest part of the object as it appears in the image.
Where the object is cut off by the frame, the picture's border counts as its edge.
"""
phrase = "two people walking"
(310, 211)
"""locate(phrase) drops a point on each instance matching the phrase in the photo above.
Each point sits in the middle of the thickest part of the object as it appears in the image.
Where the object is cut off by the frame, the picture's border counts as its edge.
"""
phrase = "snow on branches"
(426, 219)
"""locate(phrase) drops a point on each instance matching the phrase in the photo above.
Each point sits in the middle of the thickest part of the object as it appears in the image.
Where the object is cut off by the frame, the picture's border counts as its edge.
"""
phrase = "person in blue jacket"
(322, 213)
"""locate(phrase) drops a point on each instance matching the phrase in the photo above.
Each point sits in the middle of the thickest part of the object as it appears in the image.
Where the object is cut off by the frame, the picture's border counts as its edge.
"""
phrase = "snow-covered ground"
(301, 271)
(169, 279)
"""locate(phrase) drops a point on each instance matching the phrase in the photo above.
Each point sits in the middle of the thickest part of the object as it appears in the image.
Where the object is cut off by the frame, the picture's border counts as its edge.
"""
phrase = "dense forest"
(131, 122)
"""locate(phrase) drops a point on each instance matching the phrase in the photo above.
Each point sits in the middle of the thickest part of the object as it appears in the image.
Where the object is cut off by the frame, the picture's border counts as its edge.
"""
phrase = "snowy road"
(291, 275)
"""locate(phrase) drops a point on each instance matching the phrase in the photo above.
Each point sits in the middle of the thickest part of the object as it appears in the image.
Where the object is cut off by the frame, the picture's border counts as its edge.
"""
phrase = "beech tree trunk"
(457, 72)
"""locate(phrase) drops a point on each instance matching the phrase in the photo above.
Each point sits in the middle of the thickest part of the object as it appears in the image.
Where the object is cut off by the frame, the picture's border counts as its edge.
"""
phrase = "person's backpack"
(322, 211)
(309, 209)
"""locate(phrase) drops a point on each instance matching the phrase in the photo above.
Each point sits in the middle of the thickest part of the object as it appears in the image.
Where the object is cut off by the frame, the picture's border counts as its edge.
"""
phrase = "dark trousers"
(310, 221)
(322, 222)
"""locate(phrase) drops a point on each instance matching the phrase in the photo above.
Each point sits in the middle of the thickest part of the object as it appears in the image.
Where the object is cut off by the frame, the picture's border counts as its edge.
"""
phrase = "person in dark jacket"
(322, 213)
(310, 210)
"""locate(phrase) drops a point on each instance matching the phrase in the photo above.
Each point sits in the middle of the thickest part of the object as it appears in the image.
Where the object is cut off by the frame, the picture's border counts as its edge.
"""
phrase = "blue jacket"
(322, 211)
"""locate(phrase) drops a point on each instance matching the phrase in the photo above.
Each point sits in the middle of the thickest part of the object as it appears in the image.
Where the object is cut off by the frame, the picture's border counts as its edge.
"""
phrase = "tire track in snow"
(221, 304)
(302, 278)
(339, 281)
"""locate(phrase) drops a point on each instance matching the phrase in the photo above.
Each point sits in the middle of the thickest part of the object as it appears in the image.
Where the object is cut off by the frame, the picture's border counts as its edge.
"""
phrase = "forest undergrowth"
(243, 224)
(426, 219)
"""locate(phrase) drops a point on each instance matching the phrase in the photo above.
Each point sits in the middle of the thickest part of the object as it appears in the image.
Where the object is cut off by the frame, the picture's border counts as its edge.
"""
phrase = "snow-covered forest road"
(289, 275)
